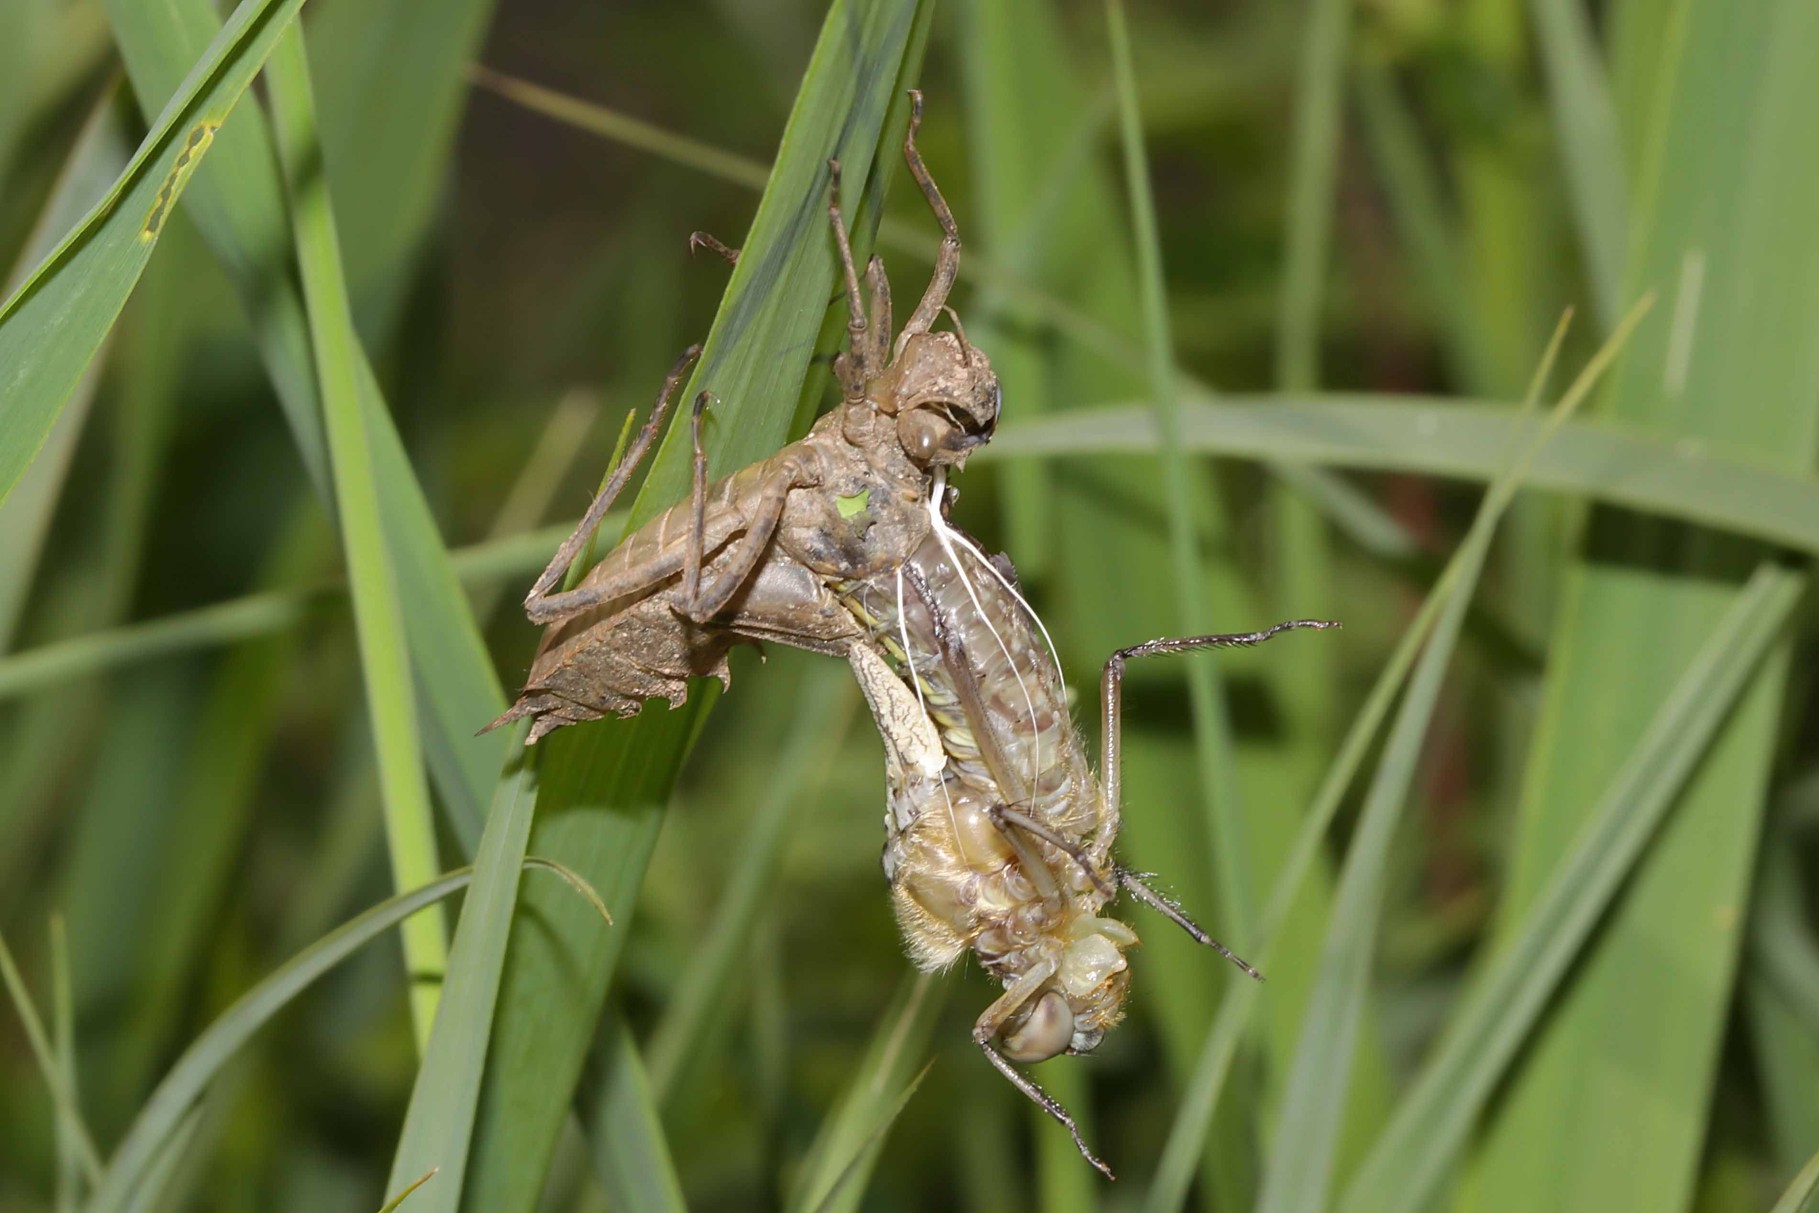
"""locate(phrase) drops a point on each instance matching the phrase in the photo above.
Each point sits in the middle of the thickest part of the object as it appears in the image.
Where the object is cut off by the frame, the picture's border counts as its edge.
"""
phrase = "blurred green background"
(1526, 850)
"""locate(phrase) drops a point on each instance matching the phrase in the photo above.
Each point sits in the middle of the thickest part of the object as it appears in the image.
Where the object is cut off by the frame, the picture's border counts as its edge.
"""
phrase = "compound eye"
(923, 434)
(1047, 1032)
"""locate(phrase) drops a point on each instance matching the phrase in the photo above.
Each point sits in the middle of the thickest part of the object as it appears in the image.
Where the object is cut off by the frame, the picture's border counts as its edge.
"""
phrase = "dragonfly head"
(944, 396)
(1084, 999)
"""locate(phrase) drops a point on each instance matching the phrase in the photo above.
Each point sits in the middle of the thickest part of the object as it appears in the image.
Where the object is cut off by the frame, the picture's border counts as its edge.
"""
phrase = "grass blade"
(440, 1118)
(378, 610)
(62, 1088)
(625, 1135)
(52, 325)
(1714, 483)
(1585, 124)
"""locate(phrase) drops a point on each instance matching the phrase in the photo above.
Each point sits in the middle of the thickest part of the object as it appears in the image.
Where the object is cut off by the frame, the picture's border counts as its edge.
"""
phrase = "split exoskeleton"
(998, 835)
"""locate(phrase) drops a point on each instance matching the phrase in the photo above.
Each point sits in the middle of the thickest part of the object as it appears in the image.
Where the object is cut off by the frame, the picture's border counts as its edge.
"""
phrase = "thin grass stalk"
(378, 614)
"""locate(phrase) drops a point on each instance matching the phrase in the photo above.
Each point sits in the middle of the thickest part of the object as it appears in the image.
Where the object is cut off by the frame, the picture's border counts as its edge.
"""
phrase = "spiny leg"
(947, 260)
(1111, 754)
(986, 1028)
(853, 367)
(1172, 911)
(540, 604)
(713, 244)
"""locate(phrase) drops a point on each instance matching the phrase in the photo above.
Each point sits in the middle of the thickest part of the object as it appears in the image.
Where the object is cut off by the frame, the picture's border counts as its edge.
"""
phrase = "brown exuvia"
(752, 557)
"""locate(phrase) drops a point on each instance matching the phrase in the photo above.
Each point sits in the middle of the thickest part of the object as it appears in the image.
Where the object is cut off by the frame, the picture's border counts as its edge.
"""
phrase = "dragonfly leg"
(855, 367)
(1111, 752)
(1171, 910)
(947, 260)
(1007, 818)
(543, 605)
(697, 505)
(714, 245)
(707, 599)
(985, 1031)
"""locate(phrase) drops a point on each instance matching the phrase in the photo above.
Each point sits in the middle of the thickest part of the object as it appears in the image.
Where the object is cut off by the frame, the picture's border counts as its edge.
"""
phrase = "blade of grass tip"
(844, 1151)
(378, 614)
(1585, 122)
(63, 1094)
(440, 1117)
(604, 786)
(54, 322)
(630, 1156)
(1799, 1194)
(392, 1204)
(63, 1052)
(481, 566)
(1303, 1150)
(203, 1060)
(1427, 1133)
(1231, 857)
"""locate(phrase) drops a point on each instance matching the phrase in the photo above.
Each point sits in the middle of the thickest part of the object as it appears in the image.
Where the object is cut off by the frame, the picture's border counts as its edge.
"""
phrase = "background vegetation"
(1526, 850)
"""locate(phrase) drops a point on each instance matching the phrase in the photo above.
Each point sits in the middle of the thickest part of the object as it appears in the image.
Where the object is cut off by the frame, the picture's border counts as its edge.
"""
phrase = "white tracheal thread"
(909, 660)
(944, 533)
(1021, 601)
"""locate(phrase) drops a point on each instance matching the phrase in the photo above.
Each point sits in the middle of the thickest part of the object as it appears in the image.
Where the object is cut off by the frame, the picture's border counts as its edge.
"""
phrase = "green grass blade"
(1713, 483)
(1429, 1128)
(846, 1147)
(52, 325)
(59, 1082)
(604, 785)
(440, 1118)
(63, 1052)
(378, 609)
(1585, 124)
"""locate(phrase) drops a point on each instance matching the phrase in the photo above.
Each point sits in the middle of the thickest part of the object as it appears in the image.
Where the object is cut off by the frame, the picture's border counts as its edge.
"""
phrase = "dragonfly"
(999, 834)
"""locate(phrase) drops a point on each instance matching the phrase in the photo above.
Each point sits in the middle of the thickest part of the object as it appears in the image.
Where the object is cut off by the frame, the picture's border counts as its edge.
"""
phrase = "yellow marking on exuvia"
(200, 136)
(852, 507)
